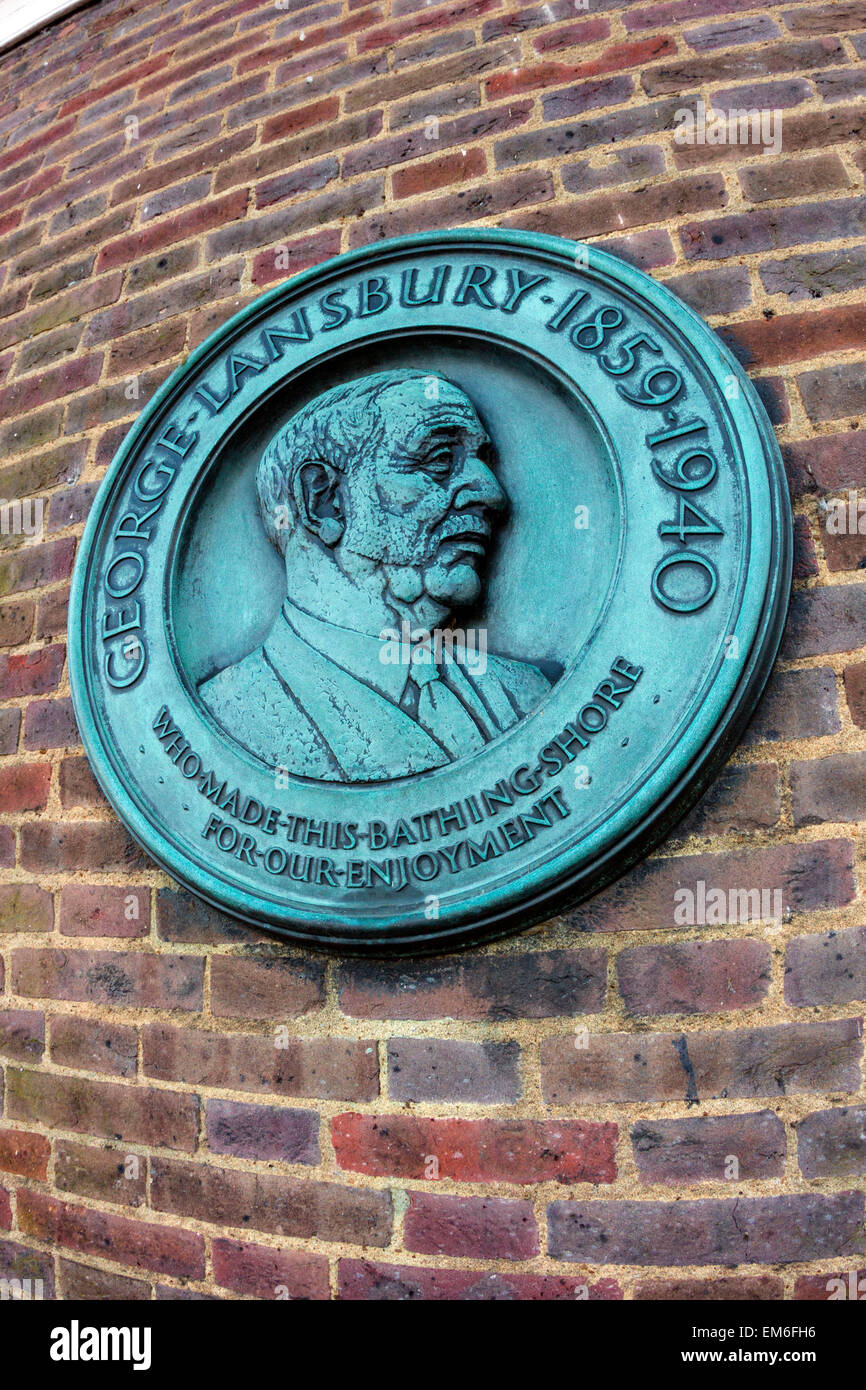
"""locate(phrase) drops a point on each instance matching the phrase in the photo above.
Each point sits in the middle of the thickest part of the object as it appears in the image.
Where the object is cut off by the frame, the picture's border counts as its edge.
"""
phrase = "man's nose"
(477, 487)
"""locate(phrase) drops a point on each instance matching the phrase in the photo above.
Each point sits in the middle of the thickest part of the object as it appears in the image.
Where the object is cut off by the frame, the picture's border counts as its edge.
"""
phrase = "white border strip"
(19, 18)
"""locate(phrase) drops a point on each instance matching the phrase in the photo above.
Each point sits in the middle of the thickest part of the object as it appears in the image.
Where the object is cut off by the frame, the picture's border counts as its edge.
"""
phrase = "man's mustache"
(463, 525)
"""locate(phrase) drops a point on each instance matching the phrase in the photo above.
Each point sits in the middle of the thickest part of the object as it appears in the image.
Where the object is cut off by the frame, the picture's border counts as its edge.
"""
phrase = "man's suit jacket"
(295, 707)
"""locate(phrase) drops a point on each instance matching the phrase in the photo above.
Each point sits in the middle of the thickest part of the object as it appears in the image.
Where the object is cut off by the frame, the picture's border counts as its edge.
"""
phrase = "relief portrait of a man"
(380, 495)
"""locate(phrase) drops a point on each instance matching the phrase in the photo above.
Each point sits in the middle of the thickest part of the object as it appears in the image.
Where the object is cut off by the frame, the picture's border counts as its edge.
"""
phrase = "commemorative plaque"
(429, 591)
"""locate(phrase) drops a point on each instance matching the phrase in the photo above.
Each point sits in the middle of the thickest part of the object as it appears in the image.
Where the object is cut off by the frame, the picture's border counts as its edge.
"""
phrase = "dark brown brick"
(267, 1202)
(364, 1281)
(690, 977)
(89, 1044)
(745, 1230)
(710, 1148)
(782, 1059)
(107, 1175)
(115, 978)
(542, 984)
(104, 1108)
(319, 1068)
(438, 1069)
(826, 968)
(266, 986)
(832, 1143)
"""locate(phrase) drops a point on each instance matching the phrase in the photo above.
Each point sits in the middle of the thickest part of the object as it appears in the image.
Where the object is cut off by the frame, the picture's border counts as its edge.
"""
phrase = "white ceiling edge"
(20, 18)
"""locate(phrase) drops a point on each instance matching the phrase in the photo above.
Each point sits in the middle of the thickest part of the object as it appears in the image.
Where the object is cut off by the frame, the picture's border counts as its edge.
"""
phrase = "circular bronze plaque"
(430, 591)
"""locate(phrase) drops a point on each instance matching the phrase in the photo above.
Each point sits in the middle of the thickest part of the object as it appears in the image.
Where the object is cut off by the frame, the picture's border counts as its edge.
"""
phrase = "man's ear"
(318, 493)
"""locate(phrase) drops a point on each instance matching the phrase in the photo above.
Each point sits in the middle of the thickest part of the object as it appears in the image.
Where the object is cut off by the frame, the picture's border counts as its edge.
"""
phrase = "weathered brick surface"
(753, 1230)
(475, 1150)
(694, 976)
(803, 1058)
(192, 1110)
(709, 1148)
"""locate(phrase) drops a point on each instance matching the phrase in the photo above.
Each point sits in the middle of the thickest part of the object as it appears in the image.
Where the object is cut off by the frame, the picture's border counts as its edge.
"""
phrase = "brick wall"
(557, 1113)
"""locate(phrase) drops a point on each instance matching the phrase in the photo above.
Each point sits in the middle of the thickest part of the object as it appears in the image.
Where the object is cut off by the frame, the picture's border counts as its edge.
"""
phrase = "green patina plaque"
(430, 591)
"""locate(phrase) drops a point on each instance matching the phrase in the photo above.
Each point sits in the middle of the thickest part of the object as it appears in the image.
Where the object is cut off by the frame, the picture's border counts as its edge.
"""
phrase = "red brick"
(32, 673)
(614, 59)
(262, 1272)
(841, 1284)
(143, 1245)
(289, 258)
(795, 337)
(363, 1281)
(24, 787)
(518, 1151)
(321, 112)
(491, 1228)
(417, 179)
(86, 910)
(24, 1154)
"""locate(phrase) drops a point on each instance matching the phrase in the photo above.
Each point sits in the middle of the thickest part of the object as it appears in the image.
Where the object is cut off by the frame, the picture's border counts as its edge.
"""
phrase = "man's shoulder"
(233, 682)
(524, 683)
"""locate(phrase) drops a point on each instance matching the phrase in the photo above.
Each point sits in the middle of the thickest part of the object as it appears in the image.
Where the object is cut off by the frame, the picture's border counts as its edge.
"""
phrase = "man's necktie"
(442, 713)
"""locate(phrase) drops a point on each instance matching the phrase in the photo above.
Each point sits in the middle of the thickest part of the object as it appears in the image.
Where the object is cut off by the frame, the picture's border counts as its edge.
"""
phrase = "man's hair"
(341, 427)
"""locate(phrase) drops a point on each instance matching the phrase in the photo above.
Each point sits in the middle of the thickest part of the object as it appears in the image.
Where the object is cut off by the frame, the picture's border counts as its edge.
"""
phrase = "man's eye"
(439, 459)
